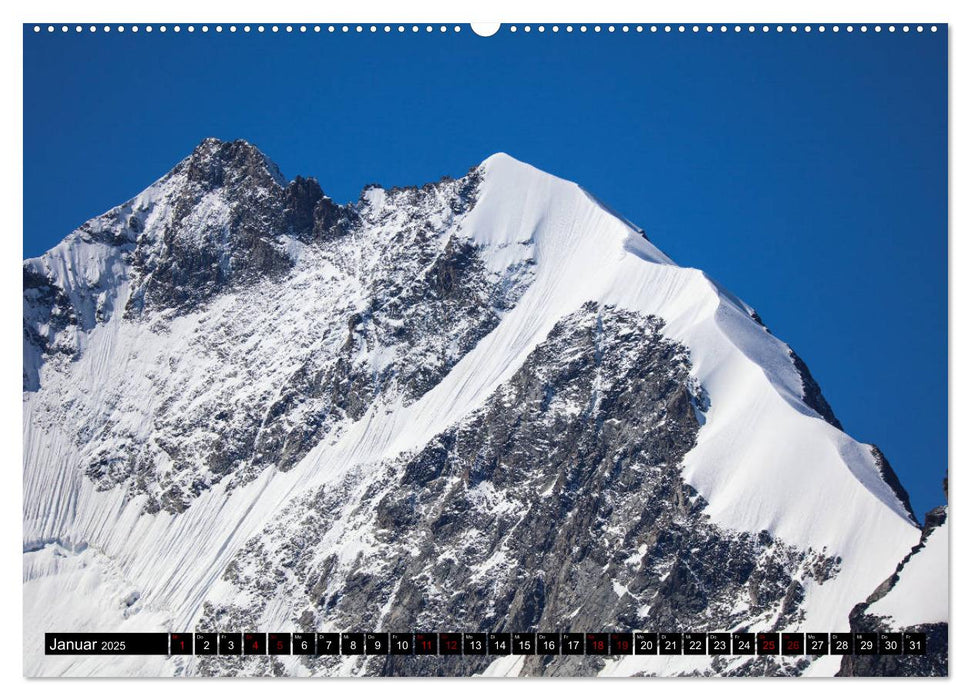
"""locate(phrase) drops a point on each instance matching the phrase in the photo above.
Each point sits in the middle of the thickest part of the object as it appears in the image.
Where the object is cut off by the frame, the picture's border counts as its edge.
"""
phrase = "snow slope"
(920, 594)
(764, 459)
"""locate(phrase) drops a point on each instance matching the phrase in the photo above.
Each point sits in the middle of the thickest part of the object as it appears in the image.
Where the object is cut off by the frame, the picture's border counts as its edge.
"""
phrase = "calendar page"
(532, 350)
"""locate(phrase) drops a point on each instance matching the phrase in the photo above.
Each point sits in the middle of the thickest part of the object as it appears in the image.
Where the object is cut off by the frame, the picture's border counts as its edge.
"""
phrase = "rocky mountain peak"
(215, 163)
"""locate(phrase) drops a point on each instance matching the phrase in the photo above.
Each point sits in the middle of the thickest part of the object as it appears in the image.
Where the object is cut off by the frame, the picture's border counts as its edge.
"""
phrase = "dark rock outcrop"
(893, 481)
(568, 513)
(812, 394)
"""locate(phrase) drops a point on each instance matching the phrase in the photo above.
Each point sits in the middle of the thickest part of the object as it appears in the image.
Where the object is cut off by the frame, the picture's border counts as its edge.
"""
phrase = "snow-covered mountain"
(482, 404)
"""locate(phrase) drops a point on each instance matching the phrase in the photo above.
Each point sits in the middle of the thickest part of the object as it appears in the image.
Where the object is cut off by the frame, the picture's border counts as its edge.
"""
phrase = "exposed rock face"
(52, 314)
(812, 394)
(224, 230)
(890, 476)
(567, 513)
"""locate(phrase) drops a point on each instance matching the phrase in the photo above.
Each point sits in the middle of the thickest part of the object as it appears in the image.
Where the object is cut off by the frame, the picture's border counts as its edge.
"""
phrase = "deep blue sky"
(805, 172)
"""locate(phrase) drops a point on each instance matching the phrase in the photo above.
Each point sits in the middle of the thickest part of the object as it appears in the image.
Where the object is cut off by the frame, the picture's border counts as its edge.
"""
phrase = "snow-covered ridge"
(919, 591)
(764, 459)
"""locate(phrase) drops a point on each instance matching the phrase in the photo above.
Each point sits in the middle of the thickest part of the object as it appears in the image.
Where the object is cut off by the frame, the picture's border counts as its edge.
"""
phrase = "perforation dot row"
(414, 28)
(724, 28)
(232, 28)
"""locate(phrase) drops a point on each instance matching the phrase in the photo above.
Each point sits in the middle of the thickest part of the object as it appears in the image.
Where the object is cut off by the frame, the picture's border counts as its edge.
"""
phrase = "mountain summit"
(485, 403)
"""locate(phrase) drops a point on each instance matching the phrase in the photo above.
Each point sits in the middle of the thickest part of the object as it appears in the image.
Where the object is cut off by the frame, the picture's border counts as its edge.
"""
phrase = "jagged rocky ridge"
(397, 300)
(484, 403)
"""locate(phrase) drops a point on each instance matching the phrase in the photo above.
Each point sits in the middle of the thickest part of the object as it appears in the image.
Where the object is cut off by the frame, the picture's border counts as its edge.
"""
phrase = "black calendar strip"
(487, 643)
